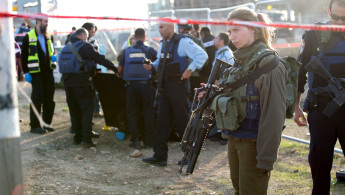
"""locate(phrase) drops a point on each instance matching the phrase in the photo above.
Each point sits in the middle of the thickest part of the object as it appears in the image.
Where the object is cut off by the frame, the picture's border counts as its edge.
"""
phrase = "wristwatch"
(189, 70)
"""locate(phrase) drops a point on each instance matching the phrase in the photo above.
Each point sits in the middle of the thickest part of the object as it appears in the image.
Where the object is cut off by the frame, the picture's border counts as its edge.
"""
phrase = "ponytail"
(265, 33)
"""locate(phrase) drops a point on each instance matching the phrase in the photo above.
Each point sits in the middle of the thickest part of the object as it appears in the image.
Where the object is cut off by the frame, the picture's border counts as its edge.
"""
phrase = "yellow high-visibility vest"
(33, 61)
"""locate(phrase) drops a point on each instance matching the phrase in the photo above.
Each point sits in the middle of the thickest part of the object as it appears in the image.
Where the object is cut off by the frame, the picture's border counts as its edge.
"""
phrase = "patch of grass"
(65, 109)
(26, 106)
(338, 189)
(287, 146)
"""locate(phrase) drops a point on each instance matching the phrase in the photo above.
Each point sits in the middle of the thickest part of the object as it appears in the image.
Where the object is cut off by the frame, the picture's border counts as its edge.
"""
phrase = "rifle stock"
(199, 122)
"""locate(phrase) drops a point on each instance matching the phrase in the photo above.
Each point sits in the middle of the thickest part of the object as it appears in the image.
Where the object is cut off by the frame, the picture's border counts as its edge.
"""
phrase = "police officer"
(37, 51)
(208, 42)
(195, 79)
(140, 90)
(223, 52)
(174, 72)
(76, 78)
(92, 29)
(324, 130)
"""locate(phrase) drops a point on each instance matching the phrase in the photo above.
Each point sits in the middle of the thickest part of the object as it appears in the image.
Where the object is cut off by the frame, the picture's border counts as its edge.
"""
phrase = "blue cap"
(120, 135)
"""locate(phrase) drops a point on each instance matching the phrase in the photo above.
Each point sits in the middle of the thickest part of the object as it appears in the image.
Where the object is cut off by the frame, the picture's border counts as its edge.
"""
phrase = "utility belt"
(139, 82)
(232, 138)
(313, 101)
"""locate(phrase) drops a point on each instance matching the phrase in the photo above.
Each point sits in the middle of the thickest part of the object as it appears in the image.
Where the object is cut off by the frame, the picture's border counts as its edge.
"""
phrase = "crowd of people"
(159, 84)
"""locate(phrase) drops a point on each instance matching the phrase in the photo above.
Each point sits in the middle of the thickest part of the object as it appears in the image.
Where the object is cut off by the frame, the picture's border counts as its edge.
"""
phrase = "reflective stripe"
(33, 61)
(32, 65)
(137, 55)
(209, 44)
(168, 55)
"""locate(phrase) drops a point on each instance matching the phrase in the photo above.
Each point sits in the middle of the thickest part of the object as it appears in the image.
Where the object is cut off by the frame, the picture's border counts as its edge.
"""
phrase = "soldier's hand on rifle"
(299, 118)
(147, 66)
(201, 95)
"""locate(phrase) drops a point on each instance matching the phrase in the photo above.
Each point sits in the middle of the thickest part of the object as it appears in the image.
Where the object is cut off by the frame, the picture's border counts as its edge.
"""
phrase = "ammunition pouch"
(314, 101)
(226, 115)
(229, 110)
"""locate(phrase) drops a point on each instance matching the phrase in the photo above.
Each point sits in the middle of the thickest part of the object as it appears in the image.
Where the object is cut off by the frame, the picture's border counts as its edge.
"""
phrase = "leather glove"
(28, 77)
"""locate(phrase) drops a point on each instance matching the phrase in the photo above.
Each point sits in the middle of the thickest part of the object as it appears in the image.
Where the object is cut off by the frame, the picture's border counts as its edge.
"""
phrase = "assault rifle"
(335, 86)
(200, 121)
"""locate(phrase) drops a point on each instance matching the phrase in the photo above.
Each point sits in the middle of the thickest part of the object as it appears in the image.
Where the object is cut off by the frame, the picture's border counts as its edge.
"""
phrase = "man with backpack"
(76, 62)
(323, 50)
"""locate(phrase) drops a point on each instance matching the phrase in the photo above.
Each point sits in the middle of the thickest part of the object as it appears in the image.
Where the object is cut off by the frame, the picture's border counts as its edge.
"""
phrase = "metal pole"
(10, 161)
(307, 142)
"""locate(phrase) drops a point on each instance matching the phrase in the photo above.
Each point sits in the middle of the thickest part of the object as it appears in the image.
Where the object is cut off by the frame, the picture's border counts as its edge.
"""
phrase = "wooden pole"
(10, 161)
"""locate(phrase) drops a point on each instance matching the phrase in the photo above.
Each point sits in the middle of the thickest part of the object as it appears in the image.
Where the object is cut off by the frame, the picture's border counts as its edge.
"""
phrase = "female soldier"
(252, 115)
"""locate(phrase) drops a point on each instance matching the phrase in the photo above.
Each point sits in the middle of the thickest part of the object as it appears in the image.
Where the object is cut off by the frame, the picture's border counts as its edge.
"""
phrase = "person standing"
(37, 56)
(256, 114)
(223, 52)
(20, 33)
(324, 130)
(173, 87)
(70, 34)
(139, 90)
(19, 67)
(208, 41)
(92, 29)
(76, 62)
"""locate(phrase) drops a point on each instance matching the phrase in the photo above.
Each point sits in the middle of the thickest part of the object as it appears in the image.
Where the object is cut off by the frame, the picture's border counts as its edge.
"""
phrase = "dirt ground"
(51, 164)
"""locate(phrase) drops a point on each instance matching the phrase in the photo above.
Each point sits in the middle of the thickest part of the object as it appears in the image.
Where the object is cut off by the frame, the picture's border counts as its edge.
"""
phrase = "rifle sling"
(80, 59)
(251, 77)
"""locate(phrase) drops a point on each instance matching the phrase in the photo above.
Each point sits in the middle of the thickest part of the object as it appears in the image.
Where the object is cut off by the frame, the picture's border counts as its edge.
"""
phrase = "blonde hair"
(246, 14)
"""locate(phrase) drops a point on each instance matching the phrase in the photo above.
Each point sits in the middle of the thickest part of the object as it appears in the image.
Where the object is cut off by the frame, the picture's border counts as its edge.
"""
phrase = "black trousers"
(172, 106)
(140, 98)
(80, 104)
(42, 97)
(324, 132)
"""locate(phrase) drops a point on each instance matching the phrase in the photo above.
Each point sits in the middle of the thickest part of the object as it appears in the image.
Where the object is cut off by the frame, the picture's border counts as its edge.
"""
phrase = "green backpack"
(292, 66)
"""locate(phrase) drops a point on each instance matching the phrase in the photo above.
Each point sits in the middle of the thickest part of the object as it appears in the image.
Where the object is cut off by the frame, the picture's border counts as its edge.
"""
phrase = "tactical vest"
(240, 107)
(175, 65)
(134, 68)
(332, 54)
(33, 61)
(68, 62)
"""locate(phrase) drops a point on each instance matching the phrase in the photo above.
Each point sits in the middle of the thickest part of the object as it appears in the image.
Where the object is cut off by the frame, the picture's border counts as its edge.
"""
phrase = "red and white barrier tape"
(336, 28)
